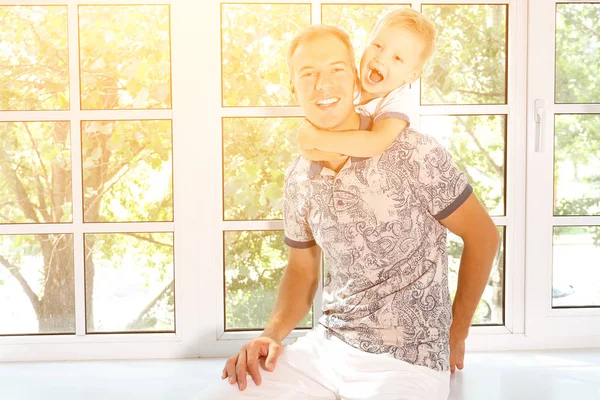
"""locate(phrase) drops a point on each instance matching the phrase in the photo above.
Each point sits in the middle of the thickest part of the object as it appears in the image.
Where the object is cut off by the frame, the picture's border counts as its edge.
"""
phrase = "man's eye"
(308, 75)
(338, 69)
(398, 59)
(377, 45)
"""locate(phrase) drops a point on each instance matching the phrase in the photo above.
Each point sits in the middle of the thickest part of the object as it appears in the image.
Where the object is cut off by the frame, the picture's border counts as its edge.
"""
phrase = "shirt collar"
(316, 167)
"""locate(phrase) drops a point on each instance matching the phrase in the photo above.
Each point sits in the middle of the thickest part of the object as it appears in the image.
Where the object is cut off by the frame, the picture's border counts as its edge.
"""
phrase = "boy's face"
(324, 81)
(392, 59)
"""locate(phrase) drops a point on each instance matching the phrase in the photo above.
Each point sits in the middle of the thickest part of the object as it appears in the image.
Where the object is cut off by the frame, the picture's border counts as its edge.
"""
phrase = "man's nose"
(324, 81)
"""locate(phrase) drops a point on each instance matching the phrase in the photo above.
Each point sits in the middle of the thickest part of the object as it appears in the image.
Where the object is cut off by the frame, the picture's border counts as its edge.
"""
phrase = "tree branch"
(137, 323)
(35, 302)
(499, 170)
(147, 239)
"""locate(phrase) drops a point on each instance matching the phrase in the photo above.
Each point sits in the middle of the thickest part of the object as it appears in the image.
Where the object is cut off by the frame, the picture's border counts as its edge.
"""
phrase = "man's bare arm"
(480, 236)
(296, 292)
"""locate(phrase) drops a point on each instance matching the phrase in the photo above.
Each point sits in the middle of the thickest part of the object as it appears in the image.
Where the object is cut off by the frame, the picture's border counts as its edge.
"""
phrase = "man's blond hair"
(413, 21)
(317, 31)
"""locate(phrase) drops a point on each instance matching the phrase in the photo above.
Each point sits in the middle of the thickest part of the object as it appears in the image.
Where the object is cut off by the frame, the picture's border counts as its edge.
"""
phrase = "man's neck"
(351, 124)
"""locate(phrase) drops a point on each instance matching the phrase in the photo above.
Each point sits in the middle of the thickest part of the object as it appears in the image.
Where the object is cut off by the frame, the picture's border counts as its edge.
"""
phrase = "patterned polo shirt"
(377, 223)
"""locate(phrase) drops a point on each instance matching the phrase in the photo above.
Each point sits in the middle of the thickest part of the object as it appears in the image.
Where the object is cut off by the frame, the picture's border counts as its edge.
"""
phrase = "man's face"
(324, 81)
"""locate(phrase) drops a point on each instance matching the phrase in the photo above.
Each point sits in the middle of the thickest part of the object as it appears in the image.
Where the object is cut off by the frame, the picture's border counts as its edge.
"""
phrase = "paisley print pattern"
(377, 222)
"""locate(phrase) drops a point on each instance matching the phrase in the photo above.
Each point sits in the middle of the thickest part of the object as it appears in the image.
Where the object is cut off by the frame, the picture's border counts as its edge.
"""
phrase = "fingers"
(230, 369)
(252, 362)
(241, 369)
(272, 356)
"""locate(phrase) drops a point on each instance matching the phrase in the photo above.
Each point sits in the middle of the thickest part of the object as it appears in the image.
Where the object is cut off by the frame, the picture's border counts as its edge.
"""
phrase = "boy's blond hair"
(313, 32)
(415, 22)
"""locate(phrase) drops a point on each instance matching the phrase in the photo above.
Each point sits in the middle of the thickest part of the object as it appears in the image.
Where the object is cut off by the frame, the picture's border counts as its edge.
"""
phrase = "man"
(388, 330)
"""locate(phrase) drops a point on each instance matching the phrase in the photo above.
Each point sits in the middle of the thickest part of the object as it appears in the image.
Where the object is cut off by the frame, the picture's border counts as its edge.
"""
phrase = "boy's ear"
(414, 75)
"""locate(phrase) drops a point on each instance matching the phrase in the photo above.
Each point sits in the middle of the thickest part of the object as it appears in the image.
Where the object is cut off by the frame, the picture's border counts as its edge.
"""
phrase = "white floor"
(548, 375)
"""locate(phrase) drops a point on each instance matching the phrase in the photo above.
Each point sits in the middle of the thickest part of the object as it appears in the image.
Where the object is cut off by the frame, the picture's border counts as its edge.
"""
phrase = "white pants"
(317, 368)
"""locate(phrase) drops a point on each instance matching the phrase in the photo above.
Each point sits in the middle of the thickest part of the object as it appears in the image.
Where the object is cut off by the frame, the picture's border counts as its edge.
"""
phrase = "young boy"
(400, 44)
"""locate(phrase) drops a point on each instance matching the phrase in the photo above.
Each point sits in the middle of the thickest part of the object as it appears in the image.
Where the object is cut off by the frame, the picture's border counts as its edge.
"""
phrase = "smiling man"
(387, 330)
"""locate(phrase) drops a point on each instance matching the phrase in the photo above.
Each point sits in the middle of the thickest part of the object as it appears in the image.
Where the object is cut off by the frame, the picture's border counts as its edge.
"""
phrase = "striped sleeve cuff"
(393, 114)
(299, 245)
(446, 212)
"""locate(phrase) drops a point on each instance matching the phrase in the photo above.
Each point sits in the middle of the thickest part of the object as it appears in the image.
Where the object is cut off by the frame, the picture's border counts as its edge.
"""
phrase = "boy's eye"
(338, 69)
(308, 74)
(398, 59)
(377, 45)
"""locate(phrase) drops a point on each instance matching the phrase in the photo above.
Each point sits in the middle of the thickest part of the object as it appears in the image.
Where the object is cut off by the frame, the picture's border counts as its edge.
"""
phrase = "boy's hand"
(307, 136)
(318, 155)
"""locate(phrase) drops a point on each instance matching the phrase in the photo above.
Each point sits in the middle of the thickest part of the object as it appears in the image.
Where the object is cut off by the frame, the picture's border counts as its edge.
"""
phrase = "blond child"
(400, 44)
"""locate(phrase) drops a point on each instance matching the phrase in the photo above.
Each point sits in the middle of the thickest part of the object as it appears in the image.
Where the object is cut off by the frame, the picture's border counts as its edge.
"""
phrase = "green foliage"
(254, 264)
(577, 53)
(477, 146)
(576, 176)
(255, 39)
(125, 57)
(133, 159)
(35, 172)
(34, 69)
(141, 255)
(256, 152)
(469, 65)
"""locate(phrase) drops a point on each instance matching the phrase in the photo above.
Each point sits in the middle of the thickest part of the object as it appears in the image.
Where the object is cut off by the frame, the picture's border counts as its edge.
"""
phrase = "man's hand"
(263, 350)
(307, 136)
(457, 351)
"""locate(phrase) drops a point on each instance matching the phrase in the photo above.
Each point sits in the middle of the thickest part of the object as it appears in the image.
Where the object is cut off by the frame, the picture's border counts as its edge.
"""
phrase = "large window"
(564, 206)
(86, 199)
(144, 148)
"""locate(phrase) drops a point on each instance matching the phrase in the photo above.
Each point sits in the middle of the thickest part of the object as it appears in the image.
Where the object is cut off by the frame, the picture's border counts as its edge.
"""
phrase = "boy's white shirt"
(396, 104)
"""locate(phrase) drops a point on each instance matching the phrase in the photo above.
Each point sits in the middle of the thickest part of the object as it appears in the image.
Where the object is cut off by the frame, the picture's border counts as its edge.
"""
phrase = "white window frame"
(198, 228)
(189, 213)
(563, 325)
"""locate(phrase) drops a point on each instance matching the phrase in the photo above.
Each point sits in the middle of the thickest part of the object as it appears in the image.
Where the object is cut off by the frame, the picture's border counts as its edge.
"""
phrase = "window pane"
(357, 20)
(125, 57)
(255, 40)
(577, 165)
(34, 57)
(576, 272)
(476, 143)
(129, 282)
(35, 172)
(491, 306)
(127, 171)
(37, 289)
(577, 53)
(469, 65)
(256, 153)
(254, 264)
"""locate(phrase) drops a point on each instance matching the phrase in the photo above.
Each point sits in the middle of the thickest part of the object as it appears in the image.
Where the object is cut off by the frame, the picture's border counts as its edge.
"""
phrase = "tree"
(122, 161)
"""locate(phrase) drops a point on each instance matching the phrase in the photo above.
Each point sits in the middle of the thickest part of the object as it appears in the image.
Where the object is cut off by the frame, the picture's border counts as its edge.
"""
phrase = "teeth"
(326, 102)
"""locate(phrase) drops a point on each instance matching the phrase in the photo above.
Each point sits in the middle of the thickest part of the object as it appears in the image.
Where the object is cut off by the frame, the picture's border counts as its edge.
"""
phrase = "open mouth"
(374, 75)
(328, 102)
